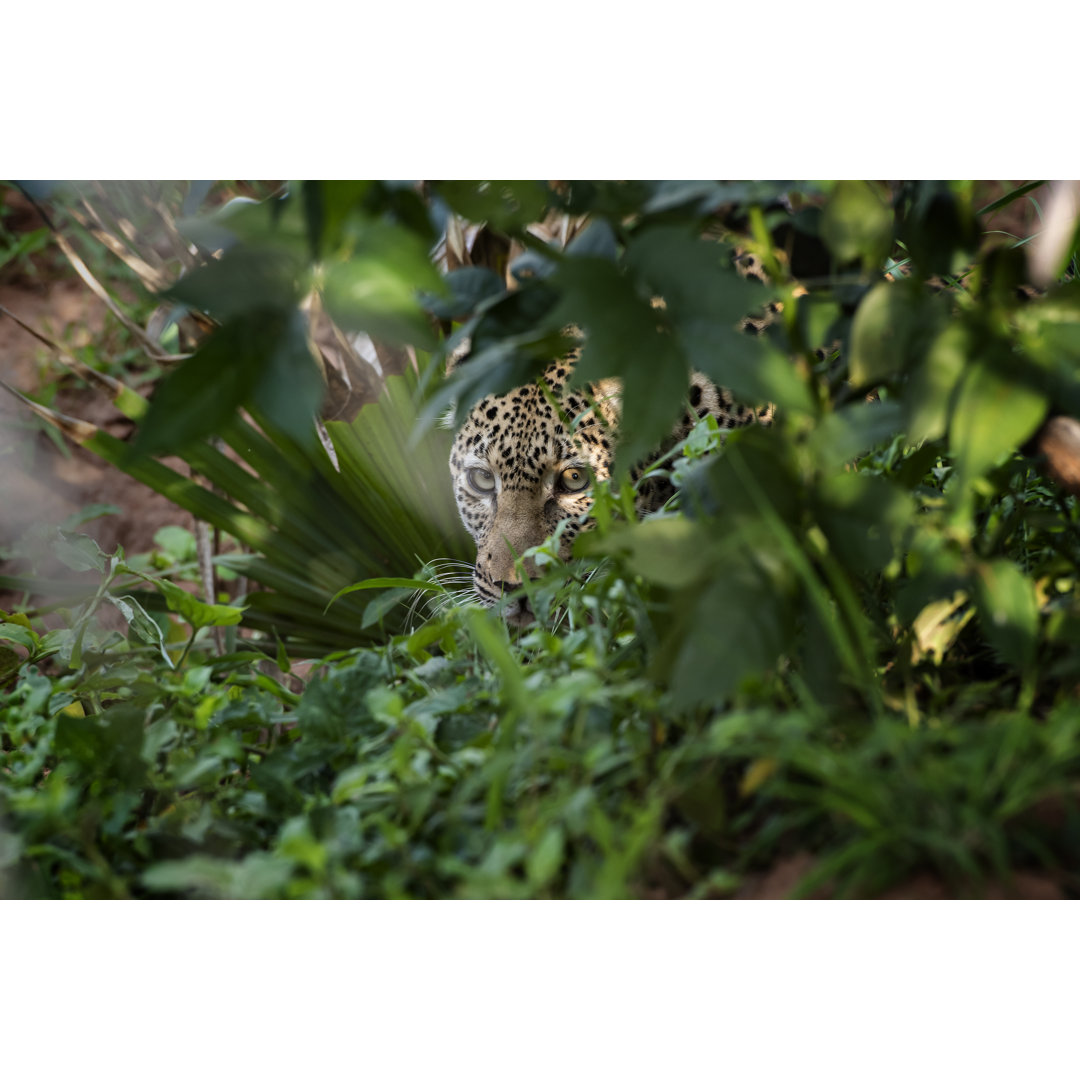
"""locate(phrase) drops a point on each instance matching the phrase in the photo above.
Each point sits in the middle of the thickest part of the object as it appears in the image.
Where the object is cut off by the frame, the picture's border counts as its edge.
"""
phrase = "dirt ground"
(41, 487)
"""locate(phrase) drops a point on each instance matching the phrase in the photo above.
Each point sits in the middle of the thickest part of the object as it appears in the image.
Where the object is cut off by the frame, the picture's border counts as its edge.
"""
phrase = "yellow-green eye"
(574, 479)
(481, 480)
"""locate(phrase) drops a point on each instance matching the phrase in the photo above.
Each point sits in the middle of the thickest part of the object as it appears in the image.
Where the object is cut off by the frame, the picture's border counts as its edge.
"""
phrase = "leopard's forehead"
(522, 434)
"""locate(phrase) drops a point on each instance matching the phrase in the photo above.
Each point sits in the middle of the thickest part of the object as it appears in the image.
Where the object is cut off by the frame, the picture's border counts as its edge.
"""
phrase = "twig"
(204, 543)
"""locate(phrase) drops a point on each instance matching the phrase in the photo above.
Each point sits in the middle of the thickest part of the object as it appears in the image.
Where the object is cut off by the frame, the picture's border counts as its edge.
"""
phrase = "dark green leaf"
(846, 434)
(1008, 610)
(504, 204)
(864, 518)
(625, 336)
(670, 551)
(244, 280)
(736, 629)
(327, 205)
(10, 662)
(931, 389)
(202, 395)
(468, 287)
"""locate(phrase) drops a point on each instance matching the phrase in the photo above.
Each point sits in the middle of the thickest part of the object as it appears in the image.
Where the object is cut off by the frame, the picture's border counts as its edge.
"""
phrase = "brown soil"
(39, 485)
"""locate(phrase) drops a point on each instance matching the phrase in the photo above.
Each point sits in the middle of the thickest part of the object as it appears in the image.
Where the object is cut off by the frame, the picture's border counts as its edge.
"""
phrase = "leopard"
(524, 462)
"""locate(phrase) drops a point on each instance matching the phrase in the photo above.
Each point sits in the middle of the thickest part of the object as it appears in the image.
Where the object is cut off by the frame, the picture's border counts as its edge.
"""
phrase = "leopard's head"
(525, 461)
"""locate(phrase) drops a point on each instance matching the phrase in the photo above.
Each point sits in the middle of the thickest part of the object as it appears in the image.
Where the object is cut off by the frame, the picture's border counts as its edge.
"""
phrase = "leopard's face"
(524, 462)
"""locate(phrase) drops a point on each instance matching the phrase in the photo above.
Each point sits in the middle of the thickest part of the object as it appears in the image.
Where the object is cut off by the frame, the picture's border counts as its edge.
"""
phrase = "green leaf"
(864, 518)
(24, 245)
(10, 662)
(596, 239)
(20, 635)
(1008, 610)
(386, 583)
(194, 611)
(672, 551)
(199, 873)
(939, 229)
(857, 224)
(695, 277)
(490, 635)
(1010, 196)
(327, 206)
(852, 431)
(109, 744)
(752, 368)
(376, 288)
(719, 490)
(705, 301)
(545, 859)
(624, 337)
(92, 511)
(289, 386)
(891, 325)
(931, 389)
(381, 606)
(177, 542)
(521, 315)
(79, 552)
(993, 416)
(202, 395)
(737, 628)
(936, 628)
(142, 623)
(504, 204)
(243, 281)
(468, 287)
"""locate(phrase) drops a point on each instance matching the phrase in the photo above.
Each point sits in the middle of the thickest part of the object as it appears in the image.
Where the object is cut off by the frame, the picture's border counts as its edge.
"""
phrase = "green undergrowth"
(469, 760)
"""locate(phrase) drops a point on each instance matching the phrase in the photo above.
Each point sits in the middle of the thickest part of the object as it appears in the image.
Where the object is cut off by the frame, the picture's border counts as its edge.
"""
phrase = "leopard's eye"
(481, 480)
(574, 479)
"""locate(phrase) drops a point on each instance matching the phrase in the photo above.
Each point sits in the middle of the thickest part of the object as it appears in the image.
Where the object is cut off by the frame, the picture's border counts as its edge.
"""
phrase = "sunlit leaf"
(992, 416)
(195, 611)
(857, 224)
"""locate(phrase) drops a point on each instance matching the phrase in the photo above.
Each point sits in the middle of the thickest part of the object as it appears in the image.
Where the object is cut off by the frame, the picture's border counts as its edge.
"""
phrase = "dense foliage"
(852, 634)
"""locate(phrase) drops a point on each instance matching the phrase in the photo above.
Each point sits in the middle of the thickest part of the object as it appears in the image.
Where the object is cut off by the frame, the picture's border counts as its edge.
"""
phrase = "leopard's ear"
(457, 356)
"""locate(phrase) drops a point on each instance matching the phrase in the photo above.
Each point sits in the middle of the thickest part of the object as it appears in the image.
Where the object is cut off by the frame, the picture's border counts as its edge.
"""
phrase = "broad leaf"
(857, 224)
(195, 611)
(1008, 610)
(992, 416)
